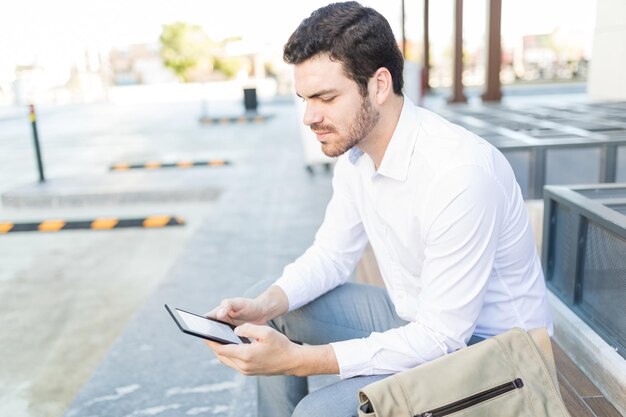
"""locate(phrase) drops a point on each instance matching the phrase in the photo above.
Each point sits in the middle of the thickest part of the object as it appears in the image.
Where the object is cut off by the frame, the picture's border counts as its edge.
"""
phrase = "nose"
(312, 114)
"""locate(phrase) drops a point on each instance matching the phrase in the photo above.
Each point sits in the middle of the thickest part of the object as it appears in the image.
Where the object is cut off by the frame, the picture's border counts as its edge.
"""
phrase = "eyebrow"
(320, 93)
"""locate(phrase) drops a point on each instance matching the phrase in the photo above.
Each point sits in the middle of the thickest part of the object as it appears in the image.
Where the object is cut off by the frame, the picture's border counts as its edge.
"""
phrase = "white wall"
(607, 80)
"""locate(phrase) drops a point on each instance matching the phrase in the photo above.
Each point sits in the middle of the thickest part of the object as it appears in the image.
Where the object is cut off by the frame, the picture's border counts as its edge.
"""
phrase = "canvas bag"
(509, 375)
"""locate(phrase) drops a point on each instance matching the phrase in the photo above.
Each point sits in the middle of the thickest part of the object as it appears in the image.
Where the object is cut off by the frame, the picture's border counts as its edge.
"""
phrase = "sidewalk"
(265, 217)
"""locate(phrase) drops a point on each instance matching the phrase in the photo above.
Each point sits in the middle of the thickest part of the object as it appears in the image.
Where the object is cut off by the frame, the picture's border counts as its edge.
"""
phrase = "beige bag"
(509, 375)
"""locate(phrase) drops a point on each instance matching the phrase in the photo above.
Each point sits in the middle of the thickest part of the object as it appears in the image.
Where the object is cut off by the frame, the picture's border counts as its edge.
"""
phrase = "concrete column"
(494, 52)
(606, 75)
(457, 83)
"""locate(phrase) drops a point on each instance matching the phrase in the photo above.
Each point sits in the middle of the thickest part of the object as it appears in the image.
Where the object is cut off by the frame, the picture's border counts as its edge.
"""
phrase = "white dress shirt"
(450, 231)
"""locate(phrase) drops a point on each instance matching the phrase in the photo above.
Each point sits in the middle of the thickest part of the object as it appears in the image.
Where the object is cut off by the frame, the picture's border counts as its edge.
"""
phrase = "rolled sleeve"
(354, 358)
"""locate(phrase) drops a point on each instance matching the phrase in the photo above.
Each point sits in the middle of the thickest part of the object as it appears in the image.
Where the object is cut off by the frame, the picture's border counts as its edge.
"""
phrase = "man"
(440, 207)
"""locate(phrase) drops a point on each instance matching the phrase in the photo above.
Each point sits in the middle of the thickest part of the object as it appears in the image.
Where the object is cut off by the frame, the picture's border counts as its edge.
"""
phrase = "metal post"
(608, 163)
(537, 174)
(403, 30)
(494, 54)
(33, 121)
(426, 69)
(579, 260)
(457, 91)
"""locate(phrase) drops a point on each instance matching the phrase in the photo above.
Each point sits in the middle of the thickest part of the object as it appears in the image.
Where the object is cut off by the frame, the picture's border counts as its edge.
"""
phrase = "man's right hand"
(271, 303)
(238, 311)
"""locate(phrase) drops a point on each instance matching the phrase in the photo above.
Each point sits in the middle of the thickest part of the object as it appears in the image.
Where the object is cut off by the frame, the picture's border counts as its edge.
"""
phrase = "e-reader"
(205, 327)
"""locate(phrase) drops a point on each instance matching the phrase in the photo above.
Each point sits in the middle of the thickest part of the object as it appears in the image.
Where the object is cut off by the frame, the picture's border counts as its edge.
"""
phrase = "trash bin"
(249, 99)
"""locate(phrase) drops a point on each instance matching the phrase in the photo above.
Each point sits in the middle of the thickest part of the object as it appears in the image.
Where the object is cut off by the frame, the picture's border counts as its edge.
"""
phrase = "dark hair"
(359, 37)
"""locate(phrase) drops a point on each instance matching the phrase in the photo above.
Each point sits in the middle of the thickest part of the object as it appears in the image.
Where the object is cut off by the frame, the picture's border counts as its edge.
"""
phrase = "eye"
(327, 99)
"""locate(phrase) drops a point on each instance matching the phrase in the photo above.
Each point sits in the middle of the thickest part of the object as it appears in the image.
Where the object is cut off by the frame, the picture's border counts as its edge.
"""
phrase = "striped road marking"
(101, 223)
(239, 120)
(158, 165)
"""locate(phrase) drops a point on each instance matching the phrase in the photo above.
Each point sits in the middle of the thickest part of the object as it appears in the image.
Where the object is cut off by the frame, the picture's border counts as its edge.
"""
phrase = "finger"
(212, 345)
(222, 311)
(212, 314)
(232, 308)
(253, 331)
(225, 360)
(229, 350)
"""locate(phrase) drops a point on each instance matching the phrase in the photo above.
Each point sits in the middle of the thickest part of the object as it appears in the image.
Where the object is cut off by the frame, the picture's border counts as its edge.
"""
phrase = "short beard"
(364, 122)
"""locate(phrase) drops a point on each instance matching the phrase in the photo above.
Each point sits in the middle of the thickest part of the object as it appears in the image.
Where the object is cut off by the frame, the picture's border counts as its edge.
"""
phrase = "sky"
(42, 30)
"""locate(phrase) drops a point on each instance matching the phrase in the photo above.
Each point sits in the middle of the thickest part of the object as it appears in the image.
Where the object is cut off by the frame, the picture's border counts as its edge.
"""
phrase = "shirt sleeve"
(338, 246)
(461, 235)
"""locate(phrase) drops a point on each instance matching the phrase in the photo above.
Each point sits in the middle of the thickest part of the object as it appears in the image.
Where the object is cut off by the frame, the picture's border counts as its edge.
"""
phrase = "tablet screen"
(208, 327)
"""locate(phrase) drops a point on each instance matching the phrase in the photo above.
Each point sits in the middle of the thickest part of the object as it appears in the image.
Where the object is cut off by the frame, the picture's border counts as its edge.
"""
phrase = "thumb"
(226, 310)
(253, 331)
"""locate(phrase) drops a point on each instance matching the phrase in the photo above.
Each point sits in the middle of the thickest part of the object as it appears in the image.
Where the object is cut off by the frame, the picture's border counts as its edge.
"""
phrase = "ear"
(383, 84)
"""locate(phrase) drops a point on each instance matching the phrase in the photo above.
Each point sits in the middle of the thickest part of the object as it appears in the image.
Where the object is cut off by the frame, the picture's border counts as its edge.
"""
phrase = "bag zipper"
(474, 399)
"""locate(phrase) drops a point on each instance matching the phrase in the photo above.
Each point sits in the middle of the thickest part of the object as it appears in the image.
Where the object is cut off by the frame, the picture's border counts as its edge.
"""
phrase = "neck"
(375, 144)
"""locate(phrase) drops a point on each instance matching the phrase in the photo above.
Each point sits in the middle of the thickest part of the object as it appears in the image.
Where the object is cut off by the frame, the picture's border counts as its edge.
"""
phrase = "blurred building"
(556, 55)
(80, 79)
(138, 64)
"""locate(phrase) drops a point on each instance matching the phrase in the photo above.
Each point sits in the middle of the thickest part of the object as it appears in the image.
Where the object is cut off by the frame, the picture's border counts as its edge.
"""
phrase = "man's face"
(336, 112)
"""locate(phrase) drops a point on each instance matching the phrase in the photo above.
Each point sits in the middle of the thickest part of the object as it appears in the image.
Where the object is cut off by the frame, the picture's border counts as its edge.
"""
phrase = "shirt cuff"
(353, 357)
(293, 290)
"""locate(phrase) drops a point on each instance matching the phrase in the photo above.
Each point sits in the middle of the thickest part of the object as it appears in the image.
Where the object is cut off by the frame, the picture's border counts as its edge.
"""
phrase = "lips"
(322, 131)
(321, 135)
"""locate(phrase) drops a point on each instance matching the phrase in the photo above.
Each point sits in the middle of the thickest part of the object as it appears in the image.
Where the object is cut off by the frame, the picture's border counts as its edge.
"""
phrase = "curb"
(100, 223)
(596, 358)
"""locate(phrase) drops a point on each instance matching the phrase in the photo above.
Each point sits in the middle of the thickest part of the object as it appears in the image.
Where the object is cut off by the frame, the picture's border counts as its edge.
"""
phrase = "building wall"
(606, 77)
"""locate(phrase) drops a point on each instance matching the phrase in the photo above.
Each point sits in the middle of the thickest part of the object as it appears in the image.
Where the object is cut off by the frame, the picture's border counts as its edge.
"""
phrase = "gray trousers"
(349, 311)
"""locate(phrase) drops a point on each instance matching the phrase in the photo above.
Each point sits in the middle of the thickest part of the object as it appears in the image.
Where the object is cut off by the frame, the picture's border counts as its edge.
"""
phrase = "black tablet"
(205, 327)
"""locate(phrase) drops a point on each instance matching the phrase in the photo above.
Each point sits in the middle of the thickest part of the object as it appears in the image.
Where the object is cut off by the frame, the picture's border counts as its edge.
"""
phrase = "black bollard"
(33, 121)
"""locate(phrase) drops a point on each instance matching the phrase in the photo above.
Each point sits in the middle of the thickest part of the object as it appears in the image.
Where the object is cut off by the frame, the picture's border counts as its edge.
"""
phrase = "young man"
(440, 207)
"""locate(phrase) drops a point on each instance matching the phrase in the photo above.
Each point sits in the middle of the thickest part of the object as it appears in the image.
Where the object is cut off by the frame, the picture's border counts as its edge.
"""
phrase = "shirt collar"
(397, 158)
(354, 154)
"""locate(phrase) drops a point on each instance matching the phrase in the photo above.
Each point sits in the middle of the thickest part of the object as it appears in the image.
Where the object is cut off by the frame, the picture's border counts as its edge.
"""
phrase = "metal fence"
(584, 255)
(579, 143)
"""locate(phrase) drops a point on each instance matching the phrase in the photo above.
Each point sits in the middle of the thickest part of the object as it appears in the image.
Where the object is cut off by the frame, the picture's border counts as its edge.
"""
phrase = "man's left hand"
(271, 353)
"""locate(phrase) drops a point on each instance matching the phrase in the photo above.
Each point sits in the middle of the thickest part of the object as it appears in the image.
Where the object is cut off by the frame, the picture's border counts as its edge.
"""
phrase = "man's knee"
(312, 407)
(330, 401)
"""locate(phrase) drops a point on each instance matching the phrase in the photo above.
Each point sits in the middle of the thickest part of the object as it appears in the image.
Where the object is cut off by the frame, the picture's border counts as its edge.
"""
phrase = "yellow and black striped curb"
(240, 120)
(101, 223)
(158, 165)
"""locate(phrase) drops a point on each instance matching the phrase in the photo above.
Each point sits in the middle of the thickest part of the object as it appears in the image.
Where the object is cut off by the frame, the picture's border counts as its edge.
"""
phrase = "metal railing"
(539, 131)
(584, 255)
